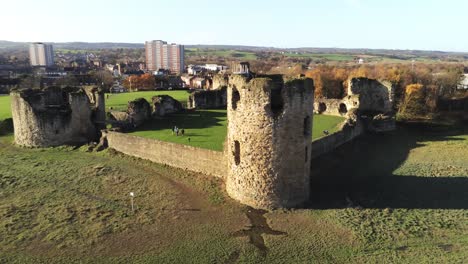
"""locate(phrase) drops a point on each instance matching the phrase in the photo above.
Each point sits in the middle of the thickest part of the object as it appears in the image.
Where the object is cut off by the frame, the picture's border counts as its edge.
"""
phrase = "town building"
(195, 69)
(199, 69)
(161, 55)
(242, 68)
(215, 67)
(41, 54)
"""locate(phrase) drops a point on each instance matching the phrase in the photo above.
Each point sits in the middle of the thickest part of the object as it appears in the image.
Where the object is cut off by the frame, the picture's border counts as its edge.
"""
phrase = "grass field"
(5, 107)
(245, 55)
(208, 128)
(330, 57)
(409, 202)
(394, 198)
(205, 128)
(325, 122)
(120, 101)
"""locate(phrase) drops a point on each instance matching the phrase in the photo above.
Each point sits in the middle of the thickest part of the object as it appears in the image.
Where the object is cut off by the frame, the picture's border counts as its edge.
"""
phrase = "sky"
(388, 24)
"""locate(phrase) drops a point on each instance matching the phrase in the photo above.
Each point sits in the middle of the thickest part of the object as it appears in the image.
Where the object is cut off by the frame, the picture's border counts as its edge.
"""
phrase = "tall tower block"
(269, 140)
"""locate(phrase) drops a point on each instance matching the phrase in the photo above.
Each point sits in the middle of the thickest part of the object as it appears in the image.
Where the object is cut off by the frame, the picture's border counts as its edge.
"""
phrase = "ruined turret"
(56, 116)
(269, 140)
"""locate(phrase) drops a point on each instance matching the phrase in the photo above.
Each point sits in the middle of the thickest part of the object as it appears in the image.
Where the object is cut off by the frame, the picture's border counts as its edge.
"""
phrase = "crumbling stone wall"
(54, 116)
(336, 107)
(371, 100)
(220, 81)
(374, 95)
(268, 148)
(208, 99)
(164, 104)
(138, 111)
(98, 105)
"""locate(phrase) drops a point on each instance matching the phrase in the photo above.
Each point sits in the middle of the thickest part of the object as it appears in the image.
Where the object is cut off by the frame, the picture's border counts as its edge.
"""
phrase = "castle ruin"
(371, 100)
(269, 131)
(267, 159)
(57, 116)
(367, 95)
(374, 95)
(208, 99)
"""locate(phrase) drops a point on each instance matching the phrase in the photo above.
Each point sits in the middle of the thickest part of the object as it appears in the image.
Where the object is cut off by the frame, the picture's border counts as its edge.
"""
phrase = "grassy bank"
(408, 203)
(393, 198)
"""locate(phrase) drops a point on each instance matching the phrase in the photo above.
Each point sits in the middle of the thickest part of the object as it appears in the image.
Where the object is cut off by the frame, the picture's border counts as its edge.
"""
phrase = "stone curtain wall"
(331, 142)
(181, 156)
(220, 81)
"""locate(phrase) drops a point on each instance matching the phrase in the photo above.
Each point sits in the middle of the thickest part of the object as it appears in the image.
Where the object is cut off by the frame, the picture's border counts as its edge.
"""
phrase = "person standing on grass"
(182, 132)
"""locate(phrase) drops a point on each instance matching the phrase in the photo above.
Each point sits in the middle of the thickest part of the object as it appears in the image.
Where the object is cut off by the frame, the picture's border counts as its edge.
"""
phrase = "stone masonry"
(208, 99)
(268, 148)
(56, 116)
(374, 95)
(164, 104)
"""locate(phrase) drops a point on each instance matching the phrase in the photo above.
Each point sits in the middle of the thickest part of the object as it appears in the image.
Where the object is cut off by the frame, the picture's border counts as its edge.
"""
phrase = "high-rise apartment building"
(41, 54)
(160, 55)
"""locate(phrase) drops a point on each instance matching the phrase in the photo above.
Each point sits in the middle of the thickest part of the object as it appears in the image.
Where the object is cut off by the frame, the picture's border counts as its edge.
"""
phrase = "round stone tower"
(56, 116)
(269, 140)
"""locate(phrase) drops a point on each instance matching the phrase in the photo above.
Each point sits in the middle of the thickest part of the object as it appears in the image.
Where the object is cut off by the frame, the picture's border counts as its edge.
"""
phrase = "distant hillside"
(112, 45)
(74, 45)
(230, 47)
(10, 45)
(384, 52)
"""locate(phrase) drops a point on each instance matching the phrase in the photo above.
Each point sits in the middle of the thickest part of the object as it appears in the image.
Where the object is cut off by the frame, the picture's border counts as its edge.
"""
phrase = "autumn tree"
(414, 102)
(140, 83)
(329, 81)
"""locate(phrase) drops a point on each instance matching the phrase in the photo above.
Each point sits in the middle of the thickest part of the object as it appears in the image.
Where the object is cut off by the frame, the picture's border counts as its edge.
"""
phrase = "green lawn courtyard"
(208, 128)
(5, 107)
(205, 128)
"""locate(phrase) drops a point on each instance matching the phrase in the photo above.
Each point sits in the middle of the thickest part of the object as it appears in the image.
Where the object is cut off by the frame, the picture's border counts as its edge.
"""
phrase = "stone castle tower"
(269, 140)
(55, 116)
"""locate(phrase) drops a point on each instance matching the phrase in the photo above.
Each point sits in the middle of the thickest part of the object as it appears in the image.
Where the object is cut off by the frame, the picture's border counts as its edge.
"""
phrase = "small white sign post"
(131, 198)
